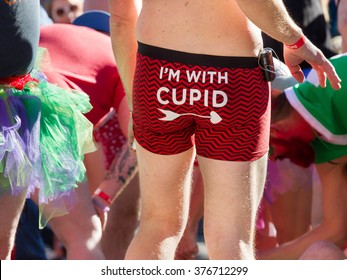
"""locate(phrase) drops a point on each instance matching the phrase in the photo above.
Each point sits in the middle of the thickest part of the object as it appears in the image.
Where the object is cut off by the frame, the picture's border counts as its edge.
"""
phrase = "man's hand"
(310, 53)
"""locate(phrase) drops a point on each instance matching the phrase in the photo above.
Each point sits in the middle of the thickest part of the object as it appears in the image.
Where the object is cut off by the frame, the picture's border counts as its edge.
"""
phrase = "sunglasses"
(62, 11)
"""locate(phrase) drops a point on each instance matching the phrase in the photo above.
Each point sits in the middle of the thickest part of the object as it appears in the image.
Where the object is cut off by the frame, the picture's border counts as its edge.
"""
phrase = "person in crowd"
(286, 207)
(290, 186)
(44, 134)
(63, 11)
(192, 76)
(124, 211)
(93, 70)
(110, 168)
(308, 126)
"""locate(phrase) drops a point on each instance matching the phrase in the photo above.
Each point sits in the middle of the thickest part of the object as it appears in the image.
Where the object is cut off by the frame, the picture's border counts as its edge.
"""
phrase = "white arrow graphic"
(170, 116)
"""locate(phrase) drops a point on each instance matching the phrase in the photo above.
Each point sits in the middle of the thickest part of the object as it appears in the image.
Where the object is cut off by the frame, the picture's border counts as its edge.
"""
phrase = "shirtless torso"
(205, 27)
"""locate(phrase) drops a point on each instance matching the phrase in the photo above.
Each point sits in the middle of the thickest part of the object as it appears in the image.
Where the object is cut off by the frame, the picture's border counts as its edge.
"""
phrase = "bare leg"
(122, 222)
(164, 204)
(233, 191)
(188, 248)
(80, 230)
(11, 209)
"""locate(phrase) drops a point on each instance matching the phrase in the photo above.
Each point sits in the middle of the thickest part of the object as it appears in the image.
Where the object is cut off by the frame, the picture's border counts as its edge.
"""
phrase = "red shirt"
(82, 59)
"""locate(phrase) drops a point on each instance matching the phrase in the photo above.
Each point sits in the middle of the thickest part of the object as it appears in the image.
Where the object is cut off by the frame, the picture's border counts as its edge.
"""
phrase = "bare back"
(198, 26)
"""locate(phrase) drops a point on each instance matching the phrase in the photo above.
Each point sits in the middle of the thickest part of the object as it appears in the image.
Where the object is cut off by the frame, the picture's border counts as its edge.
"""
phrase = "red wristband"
(298, 44)
(103, 195)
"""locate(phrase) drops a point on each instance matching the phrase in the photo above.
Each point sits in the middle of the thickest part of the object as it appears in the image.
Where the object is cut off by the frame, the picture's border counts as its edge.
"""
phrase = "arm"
(334, 222)
(274, 19)
(276, 22)
(122, 25)
(342, 22)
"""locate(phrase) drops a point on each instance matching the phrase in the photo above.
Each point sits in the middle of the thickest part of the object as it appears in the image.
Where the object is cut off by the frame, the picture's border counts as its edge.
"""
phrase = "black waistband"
(197, 59)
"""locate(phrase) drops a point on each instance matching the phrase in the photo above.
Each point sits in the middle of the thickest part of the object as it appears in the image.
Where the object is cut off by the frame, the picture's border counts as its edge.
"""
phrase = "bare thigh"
(165, 191)
(11, 208)
(163, 183)
(80, 229)
(233, 191)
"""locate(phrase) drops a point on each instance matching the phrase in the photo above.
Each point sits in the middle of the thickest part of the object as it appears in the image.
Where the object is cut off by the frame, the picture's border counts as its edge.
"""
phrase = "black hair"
(280, 107)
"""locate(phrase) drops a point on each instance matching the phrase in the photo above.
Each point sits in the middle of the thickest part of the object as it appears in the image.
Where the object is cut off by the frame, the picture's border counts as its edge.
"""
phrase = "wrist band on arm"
(297, 44)
(98, 192)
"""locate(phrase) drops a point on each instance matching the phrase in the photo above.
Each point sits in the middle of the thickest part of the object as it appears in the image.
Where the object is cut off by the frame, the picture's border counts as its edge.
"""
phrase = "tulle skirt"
(43, 138)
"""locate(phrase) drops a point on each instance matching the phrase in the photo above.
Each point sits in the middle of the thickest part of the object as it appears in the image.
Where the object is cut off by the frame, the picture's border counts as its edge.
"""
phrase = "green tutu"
(43, 139)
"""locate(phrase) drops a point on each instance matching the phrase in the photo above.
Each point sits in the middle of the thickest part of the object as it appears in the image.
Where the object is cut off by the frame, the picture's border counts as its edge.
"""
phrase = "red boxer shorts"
(222, 101)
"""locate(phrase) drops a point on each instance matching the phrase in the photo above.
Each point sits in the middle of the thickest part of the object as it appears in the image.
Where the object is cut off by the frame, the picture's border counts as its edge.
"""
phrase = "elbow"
(117, 20)
(122, 26)
(123, 19)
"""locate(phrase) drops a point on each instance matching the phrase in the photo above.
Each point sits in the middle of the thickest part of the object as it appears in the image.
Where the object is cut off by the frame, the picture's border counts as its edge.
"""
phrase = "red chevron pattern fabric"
(108, 134)
(222, 101)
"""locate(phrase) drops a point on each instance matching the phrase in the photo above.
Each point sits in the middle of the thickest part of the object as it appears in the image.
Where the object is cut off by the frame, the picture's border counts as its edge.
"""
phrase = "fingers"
(297, 73)
(322, 77)
(325, 70)
(329, 71)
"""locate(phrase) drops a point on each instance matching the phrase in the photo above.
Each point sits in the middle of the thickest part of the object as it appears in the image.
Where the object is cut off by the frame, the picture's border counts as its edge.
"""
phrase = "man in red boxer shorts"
(197, 73)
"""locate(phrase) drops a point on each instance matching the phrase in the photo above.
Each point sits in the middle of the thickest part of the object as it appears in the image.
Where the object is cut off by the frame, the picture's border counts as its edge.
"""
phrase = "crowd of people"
(123, 132)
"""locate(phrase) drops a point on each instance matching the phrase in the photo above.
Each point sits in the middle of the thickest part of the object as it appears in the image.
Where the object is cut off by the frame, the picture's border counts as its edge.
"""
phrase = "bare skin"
(291, 213)
(333, 227)
(9, 221)
(286, 204)
(80, 231)
(188, 248)
(333, 178)
(223, 30)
